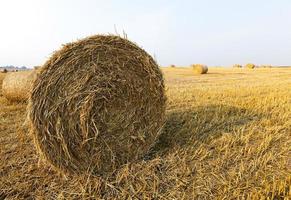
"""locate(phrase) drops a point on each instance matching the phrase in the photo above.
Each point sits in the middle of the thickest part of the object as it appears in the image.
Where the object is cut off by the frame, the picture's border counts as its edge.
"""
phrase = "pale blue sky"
(177, 32)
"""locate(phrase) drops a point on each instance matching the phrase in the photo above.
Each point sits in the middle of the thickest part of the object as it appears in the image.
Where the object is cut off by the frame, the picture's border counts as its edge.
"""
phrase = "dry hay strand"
(97, 104)
(200, 69)
(237, 66)
(17, 86)
(250, 66)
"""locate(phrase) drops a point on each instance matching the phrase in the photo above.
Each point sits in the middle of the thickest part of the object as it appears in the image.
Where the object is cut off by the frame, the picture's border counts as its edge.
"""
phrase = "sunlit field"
(227, 136)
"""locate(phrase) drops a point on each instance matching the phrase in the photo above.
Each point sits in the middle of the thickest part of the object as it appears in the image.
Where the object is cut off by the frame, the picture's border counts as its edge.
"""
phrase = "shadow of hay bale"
(192, 127)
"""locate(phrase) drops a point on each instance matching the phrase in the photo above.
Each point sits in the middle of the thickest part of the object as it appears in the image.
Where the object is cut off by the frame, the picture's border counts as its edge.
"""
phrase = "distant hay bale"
(200, 69)
(36, 67)
(250, 66)
(237, 66)
(97, 104)
(17, 86)
(172, 66)
(4, 71)
(266, 66)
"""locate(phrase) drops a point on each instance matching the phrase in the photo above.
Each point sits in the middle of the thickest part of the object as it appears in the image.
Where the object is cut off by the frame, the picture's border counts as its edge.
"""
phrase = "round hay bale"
(17, 86)
(250, 66)
(97, 104)
(266, 66)
(172, 66)
(237, 66)
(4, 71)
(200, 69)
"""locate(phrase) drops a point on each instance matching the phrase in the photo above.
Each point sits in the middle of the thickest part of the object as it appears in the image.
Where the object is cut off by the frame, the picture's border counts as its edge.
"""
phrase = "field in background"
(227, 135)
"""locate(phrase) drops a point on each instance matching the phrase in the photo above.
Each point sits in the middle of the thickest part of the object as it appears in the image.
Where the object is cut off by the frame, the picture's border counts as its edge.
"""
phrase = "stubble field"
(227, 136)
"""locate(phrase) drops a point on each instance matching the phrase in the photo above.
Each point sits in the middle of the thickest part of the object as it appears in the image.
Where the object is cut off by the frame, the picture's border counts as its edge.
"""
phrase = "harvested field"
(227, 136)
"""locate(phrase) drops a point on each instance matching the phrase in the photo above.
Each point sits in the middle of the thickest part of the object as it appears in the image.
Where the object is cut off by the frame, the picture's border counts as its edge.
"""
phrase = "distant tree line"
(12, 68)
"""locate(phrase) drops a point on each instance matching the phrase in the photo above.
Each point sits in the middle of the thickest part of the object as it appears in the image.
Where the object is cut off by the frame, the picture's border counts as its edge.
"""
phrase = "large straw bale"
(16, 86)
(200, 69)
(97, 104)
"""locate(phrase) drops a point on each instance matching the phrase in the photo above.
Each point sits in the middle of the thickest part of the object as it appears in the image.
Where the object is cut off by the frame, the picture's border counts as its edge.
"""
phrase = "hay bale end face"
(200, 69)
(17, 86)
(97, 104)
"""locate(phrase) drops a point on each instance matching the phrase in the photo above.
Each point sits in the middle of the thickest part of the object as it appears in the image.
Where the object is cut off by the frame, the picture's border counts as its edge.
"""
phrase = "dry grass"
(230, 139)
(2, 76)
